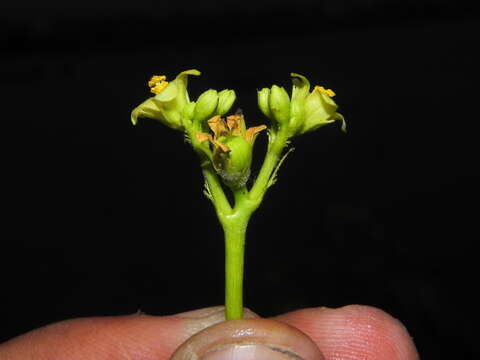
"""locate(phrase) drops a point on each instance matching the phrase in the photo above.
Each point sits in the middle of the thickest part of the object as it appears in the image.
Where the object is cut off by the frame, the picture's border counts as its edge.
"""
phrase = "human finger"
(131, 337)
(354, 332)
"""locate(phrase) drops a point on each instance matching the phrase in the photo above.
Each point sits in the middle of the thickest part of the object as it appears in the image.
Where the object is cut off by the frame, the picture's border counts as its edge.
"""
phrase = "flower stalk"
(225, 145)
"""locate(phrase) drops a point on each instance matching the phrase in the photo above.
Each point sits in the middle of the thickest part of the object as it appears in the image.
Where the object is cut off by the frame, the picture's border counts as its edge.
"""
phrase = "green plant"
(225, 147)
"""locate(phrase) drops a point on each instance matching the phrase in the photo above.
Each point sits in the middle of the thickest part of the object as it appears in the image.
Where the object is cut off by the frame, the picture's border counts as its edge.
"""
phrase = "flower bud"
(305, 111)
(226, 98)
(263, 102)
(233, 166)
(279, 102)
(205, 106)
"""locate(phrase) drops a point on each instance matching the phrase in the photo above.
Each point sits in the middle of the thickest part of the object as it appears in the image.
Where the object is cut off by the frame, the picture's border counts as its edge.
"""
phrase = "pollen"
(157, 84)
(328, 92)
(156, 79)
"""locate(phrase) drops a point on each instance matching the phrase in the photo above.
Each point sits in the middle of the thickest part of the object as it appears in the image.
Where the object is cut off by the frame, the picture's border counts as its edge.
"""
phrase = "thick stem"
(235, 227)
(234, 263)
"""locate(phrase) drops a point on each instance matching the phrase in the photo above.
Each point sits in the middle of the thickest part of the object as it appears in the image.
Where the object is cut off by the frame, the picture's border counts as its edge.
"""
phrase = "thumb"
(249, 339)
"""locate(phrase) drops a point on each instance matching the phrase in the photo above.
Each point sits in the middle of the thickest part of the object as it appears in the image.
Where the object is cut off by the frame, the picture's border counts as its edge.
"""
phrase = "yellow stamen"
(156, 79)
(328, 92)
(159, 87)
(157, 83)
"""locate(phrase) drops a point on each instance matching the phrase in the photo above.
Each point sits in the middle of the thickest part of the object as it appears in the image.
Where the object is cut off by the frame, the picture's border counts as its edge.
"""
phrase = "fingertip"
(136, 336)
(355, 332)
(249, 339)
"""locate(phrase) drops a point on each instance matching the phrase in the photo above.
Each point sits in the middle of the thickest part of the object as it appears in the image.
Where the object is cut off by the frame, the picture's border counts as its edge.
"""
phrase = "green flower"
(232, 145)
(320, 110)
(304, 111)
(170, 105)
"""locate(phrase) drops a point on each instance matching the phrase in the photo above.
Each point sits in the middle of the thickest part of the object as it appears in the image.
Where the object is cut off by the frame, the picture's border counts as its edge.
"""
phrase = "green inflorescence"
(225, 147)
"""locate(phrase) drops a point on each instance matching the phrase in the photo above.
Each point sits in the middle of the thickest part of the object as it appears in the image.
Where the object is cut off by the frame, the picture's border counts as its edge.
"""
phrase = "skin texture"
(352, 332)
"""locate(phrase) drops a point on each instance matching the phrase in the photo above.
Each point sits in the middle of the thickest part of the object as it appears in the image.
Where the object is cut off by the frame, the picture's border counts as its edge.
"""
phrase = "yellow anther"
(156, 79)
(158, 88)
(328, 92)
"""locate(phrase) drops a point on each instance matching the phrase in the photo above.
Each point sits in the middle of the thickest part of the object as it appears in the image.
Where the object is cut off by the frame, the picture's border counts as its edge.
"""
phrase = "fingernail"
(197, 320)
(250, 352)
(248, 339)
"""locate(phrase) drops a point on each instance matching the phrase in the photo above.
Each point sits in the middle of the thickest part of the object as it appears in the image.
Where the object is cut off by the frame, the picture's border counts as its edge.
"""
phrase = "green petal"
(181, 81)
(340, 117)
(318, 101)
(315, 121)
(301, 86)
(190, 72)
(172, 118)
(135, 115)
(300, 90)
(168, 94)
(328, 103)
(316, 113)
(150, 109)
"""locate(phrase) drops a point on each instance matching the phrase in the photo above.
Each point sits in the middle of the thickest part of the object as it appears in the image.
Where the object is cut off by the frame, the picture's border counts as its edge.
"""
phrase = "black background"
(103, 218)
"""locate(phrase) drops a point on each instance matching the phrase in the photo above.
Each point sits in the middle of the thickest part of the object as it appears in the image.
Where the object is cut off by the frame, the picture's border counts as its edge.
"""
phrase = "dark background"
(103, 218)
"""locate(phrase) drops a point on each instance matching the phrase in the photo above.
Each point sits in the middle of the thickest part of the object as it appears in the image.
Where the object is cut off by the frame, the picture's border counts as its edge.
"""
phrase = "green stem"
(219, 199)
(235, 220)
(235, 227)
(271, 160)
(234, 265)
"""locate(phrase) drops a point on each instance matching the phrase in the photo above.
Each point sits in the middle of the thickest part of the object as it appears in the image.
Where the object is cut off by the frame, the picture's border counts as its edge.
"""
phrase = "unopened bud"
(205, 106)
(226, 98)
(263, 102)
(279, 102)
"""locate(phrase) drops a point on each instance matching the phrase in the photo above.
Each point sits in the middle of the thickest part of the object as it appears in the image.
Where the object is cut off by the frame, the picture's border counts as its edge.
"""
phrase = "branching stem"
(234, 219)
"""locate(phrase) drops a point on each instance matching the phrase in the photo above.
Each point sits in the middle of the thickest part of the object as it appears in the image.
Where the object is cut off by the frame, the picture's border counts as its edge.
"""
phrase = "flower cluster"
(229, 146)
(171, 104)
(304, 111)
